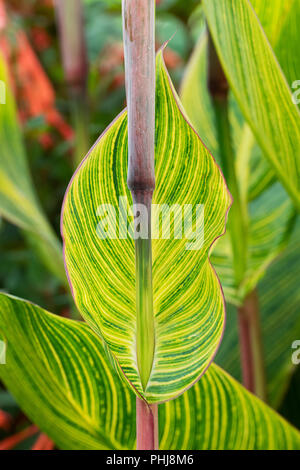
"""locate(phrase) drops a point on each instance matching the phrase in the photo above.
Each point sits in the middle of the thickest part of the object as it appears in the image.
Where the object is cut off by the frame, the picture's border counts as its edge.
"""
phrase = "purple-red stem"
(251, 345)
(245, 351)
(70, 23)
(146, 425)
(139, 54)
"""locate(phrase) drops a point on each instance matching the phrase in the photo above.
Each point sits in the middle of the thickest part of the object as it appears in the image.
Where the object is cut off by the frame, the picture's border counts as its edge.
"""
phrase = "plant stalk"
(252, 356)
(139, 53)
(146, 425)
(70, 24)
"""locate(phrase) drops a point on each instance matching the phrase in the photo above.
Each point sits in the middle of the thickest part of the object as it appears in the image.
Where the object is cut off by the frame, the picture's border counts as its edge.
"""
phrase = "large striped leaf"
(18, 201)
(267, 234)
(279, 20)
(279, 299)
(57, 370)
(58, 373)
(270, 221)
(218, 413)
(259, 86)
(188, 303)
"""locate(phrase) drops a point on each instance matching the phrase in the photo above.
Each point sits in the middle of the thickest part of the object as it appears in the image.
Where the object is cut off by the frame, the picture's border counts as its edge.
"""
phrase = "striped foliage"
(59, 375)
(218, 413)
(18, 201)
(279, 299)
(268, 216)
(267, 211)
(279, 20)
(188, 303)
(270, 221)
(57, 370)
(259, 86)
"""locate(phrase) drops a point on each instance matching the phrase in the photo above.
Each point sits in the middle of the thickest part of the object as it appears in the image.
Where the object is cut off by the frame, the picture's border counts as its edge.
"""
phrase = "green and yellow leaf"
(270, 223)
(269, 216)
(58, 373)
(279, 300)
(279, 20)
(57, 370)
(259, 86)
(188, 302)
(218, 413)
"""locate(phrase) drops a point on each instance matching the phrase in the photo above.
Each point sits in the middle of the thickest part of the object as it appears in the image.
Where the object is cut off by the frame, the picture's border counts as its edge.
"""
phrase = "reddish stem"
(252, 357)
(72, 42)
(245, 351)
(139, 54)
(146, 426)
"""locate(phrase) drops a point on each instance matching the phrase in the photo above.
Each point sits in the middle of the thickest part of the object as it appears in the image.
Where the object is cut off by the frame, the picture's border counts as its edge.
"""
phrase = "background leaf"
(18, 201)
(271, 219)
(259, 86)
(270, 215)
(279, 300)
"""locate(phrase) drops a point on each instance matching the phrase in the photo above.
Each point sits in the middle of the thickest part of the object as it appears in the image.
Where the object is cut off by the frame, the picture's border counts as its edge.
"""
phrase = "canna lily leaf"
(18, 201)
(214, 415)
(279, 20)
(279, 311)
(58, 373)
(188, 302)
(57, 370)
(270, 222)
(267, 235)
(259, 86)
